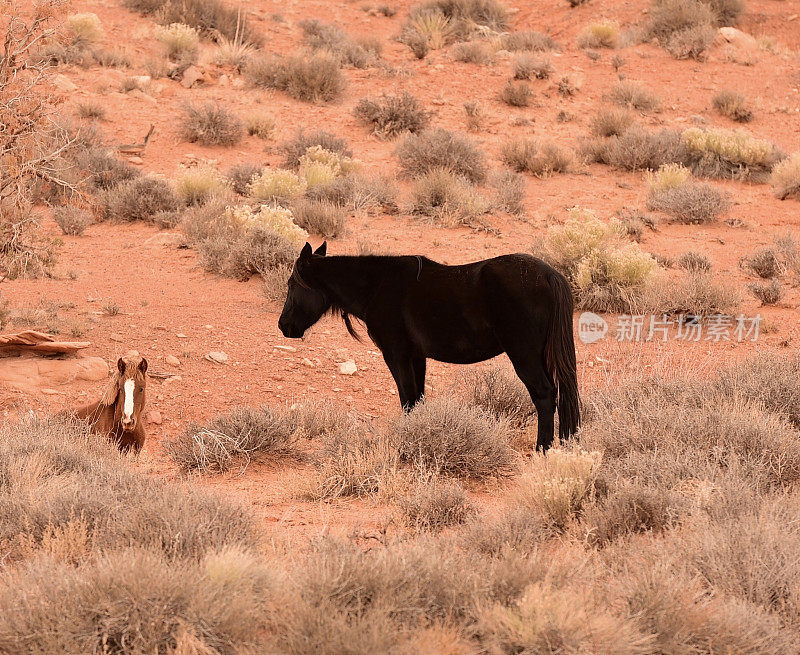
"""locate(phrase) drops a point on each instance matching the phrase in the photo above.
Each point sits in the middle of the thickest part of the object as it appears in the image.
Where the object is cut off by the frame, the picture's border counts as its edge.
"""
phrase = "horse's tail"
(560, 356)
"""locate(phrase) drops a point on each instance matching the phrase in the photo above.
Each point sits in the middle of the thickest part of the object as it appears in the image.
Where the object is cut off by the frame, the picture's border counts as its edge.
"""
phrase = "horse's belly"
(463, 349)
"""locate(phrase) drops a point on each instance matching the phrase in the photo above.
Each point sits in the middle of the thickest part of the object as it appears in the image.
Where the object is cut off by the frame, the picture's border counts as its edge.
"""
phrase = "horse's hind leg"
(533, 374)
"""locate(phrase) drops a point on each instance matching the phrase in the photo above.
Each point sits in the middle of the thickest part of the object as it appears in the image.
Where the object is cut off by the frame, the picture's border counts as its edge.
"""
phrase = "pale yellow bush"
(582, 233)
(276, 185)
(668, 176)
(260, 124)
(315, 173)
(786, 177)
(198, 184)
(178, 38)
(340, 164)
(434, 27)
(733, 146)
(271, 217)
(86, 28)
(627, 266)
(604, 34)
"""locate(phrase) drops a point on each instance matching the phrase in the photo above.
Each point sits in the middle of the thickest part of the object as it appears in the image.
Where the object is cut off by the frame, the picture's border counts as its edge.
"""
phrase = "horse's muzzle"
(289, 331)
(129, 425)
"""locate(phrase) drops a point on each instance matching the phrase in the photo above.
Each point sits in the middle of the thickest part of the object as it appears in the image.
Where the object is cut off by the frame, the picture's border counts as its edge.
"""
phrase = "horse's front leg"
(405, 371)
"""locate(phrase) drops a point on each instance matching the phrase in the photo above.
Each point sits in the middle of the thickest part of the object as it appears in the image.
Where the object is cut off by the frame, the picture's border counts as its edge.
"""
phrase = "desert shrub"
(298, 146)
(637, 150)
(319, 217)
(685, 201)
(357, 193)
(769, 293)
(211, 125)
(90, 110)
(696, 294)
(509, 191)
(531, 41)
(604, 34)
(390, 116)
(444, 436)
(499, 393)
(210, 17)
(473, 52)
(438, 148)
(276, 185)
(85, 28)
(733, 105)
(474, 115)
(785, 178)
(436, 504)
(611, 121)
(528, 67)
(630, 94)
(135, 600)
(72, 220)
(334, 40)
(199, 184)
(180, 40)
(234, 52)
(694, 261)
(569, 84)
(447, 198)
(260, 124)
(691, 43)
(233, 439)
(139, 199)
(607, 272)
(764, 262)
(239, 176)
(314, 78)
(726, 154)
(516, 94)
(541, 159)
(516, 529)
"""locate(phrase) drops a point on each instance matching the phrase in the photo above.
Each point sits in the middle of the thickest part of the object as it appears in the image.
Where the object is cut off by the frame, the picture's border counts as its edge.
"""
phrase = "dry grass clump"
(611, 121)
(210, 124)
(181, 41)
(357, 193)
(197, 185)
(72, 220)
(276, 185)
(438, 148)
(473, 52)
(390, 115)
(769, 293)
(333, 40)
(474, 115)
(765, 262)
(444, 436)
(260, 124)
(312, 78)
(607, 272)
(85, 28)
(603, 34)
(528, 67)
(447, 198)
(695, 294)
(529, 40)
(298, 146)
(541, 159)
(435, 504)
(785, 178)
(686, 28)
(239, 176)
(673, 193)
(516, 94)
(723, 153)
(630, 94)
(499, 393)
(509, 191)
(694, 262)
(90, 110)
(733, 105)
(319, 217)
(139, 199)
(233, 439)
(105, 170)
(637, 150)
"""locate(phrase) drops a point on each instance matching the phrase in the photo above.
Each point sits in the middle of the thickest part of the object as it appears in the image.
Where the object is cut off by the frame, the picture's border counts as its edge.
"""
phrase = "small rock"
(191, 76)
(136, 161)
(286, 349)
(172, 360)
(63, 83)
(141, 95)
(154, 416)
(307, 362)
(224, 80)
(238, 83)
(141, 80)
(217, 356)
(348, 368)
(53, 392)
(114, 336)
(181, 335)
(174, 378)
(737, 38)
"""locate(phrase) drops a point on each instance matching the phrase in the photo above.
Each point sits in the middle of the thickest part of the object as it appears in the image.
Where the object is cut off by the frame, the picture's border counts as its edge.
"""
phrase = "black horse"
(415, 308)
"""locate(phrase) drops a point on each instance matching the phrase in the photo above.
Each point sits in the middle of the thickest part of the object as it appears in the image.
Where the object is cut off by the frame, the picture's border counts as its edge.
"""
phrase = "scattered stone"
(307, 362)
(174, 378)
(115, 336)
(52, 392)
(172, 360)
(223, 80)
(348, 368)
(191, 76)
(141, 80)
(181, 335)
(218, 357)
(286, 349)
(141, 95)
(737, 38)
(238, 83)
(63, 83)
(136, 160)
(154, 417)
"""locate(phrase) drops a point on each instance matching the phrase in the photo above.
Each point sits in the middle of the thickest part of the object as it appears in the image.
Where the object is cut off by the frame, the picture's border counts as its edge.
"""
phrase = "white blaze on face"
(127, 394)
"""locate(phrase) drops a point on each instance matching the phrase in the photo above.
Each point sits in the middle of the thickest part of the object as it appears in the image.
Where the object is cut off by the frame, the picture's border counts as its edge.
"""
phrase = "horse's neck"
(352, 282)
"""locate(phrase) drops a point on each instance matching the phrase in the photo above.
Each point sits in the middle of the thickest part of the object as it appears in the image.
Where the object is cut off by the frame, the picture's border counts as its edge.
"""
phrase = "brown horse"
(117, 415)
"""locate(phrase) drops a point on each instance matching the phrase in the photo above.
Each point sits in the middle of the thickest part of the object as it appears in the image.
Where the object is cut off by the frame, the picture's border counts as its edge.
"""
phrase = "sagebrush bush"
(447, 198)
(210, 124)
(528, 40)
(509, 191)
(785, 178)
(276, 185)
(72, 220)
(298, 146)
(438, 148)
(239, 176)
(319, 217)
(637, 150)
(139, 199)
(690, 202)
(604, 34)
(716, 152)
(105, 170)
(312, 78)
(541, 159)
(334, 40)
(631, 94)
(764, 262)
(499, 393)
(390, 115)
(180, 40)
(435, 504)
(199, 184)
(516, 94)
(260, 124)
(473, 52)
(611, 121)
(444, 436)
(358, 193)
(733, 105)
(694, 261)
(528, 67)
(85, 28)
(769, 293)
(691, 43)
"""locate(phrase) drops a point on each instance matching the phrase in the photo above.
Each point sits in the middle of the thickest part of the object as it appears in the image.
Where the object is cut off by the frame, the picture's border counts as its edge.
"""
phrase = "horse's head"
(127, 391)
(305, 301)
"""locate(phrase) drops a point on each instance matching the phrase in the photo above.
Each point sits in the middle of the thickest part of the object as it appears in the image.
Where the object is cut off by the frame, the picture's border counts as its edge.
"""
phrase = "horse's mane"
(335, 309)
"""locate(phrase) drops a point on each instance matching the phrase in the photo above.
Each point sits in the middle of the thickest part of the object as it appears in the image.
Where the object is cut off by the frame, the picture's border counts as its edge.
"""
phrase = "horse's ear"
(306, 252)
(322, 250)
(121, 365)
(143, 365)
